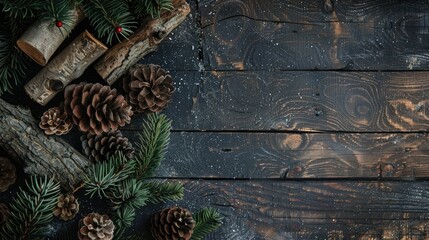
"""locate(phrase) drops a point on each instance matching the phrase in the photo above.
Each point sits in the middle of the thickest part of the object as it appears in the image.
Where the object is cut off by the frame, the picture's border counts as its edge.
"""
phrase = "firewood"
(145, 39)
(42, 39)
(64, 68)
(39, 154)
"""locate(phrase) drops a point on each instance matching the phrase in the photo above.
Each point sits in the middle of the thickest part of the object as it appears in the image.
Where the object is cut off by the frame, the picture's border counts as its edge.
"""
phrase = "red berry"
(118, 29)
(59, 24)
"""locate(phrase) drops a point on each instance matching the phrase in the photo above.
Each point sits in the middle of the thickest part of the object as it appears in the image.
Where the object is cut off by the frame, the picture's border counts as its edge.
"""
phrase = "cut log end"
(32, 52)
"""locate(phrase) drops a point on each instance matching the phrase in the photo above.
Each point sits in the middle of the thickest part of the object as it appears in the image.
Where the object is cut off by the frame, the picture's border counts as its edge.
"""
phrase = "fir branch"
(123, 219)
(59, 10)
(107, 175)
(207, 220)
(131, 193)
(12, 62)
(153, 144)
(20, 9)
(164, 191)
(32, 209)
(150, 7)
(107, 15)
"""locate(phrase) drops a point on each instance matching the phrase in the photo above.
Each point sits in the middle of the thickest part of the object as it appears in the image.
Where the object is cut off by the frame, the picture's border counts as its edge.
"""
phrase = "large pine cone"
(95, 226)
(100, 147)
(7, 174)
(55, 121)
(173, 223)
(4, 213)
(67, 207)
(148, 87)
(96, 108)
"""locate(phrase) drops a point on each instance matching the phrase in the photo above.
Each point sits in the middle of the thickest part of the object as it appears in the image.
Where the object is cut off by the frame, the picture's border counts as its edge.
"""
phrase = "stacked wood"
(42, 39)
(21, 137)
(64, 68)
(145, 40)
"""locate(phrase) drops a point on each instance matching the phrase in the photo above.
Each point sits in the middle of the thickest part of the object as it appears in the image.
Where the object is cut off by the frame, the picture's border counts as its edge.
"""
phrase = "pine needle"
(153, 144)
(123, 219)
(32, 209)
(107, 15)
(161, 192)
(130, 194)
(107, 175)
(207, 220)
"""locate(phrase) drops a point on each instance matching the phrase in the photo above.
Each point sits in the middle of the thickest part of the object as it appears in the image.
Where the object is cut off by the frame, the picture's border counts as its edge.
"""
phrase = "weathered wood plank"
(278, 210)
(297, 35)
(300, 100)
(304, 155)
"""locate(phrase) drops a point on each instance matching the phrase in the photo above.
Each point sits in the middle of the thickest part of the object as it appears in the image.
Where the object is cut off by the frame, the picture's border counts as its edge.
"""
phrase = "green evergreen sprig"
(161, 192)
(207, 220)
(131, 194)
(105, 176)
(150, 7)
(107, 16)
(59, 11)
(32, 209)
(20, 9)
(153, 144)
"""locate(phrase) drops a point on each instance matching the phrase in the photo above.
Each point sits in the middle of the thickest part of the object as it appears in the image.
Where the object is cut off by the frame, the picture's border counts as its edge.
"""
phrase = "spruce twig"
(107, 175)
(164, 191)
(32, 209)
(207, 220)
(153, 144)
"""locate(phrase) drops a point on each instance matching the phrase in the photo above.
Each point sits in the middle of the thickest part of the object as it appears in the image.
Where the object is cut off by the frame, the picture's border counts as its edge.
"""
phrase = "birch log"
(42, 39)
(64, 68)
(144, 40)
(21, 137)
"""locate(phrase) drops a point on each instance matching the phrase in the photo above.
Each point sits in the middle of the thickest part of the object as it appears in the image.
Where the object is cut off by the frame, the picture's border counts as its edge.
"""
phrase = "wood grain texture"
(297, 155)
(297, 35)
(278, 210)
(300, 101)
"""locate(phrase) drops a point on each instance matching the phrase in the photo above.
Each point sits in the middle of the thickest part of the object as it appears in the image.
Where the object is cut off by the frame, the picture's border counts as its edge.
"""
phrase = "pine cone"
(67, 207)
(96, 108)
(148, 88)
(95, 226)
(4, 213)
(7, 174)
(100, 147)
(173, 223)
(55, 121)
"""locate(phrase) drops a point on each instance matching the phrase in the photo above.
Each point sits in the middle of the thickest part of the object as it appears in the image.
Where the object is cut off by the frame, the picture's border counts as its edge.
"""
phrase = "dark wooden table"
(301, 119)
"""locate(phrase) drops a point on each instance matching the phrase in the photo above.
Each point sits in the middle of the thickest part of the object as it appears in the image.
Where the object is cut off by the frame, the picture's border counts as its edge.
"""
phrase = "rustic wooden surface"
(299, 119)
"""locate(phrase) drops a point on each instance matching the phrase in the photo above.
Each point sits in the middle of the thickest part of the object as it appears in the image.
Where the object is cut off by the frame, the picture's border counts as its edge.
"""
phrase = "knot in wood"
(328, 6)
(159, 34)
(55, 85)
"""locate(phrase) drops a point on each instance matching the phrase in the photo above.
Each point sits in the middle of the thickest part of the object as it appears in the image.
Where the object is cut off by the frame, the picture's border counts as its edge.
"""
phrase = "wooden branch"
(42, 39)
(145, 40)
(21, 137)
(64, 68)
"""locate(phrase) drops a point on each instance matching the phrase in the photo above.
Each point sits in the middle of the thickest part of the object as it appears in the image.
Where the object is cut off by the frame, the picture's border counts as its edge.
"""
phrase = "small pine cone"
(55, 121)
(67, 207)
(7, 174)
(148, 88)
(96, 108)
(100, 147)
(173, 223)
(95, 226)
(4, 213)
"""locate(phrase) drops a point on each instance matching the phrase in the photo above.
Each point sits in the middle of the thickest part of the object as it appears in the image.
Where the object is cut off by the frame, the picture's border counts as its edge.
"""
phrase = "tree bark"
(42, 39)
(64, 68)
(145, 39)
(21, 137)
